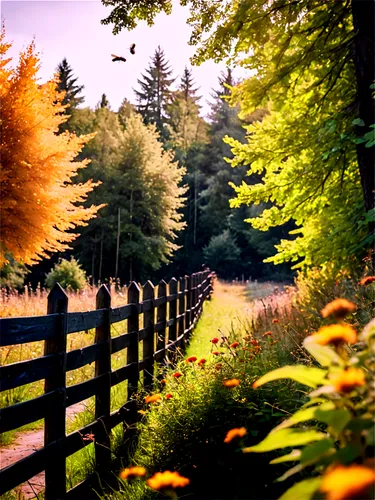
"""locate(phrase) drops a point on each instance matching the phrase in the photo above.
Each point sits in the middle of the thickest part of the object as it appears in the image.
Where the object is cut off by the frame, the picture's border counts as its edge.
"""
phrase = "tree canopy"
(40, 203)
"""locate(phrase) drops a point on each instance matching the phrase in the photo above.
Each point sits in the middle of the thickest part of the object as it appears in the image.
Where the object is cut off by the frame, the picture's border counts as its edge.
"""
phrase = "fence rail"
(168, 322)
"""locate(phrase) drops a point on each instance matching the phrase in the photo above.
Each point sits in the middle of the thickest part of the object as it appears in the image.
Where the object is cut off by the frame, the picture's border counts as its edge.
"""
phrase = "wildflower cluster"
(165, 482)
(342, 400)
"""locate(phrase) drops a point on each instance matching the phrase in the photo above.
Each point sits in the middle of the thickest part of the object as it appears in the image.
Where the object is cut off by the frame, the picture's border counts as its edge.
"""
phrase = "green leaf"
(304, 490)
(348, 454)
(323, 354)
(284, 438)
(303, 374)
(337, 419)
(313, 452)
(359, 424)
(304, 415)
(290, 457)
(358, 122)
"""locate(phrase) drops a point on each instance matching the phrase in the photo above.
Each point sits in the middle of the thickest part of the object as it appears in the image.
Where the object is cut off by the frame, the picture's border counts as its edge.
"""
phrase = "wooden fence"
(161, 335)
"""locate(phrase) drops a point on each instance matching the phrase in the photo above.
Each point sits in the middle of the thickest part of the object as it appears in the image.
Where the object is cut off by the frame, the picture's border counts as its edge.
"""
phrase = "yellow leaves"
(39, 203)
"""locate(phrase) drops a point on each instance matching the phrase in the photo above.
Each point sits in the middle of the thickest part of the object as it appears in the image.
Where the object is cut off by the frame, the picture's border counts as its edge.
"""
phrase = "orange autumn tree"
(40, 204)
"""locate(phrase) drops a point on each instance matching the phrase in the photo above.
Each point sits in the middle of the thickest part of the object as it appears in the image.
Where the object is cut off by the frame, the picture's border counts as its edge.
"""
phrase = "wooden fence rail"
(168, 322)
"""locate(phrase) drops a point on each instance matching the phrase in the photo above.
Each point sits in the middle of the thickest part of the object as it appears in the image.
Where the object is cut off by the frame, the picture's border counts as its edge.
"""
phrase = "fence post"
(181, 311)
(103, 394)
(54, 424)
(149, 341)
(172, 331)
(188, 307)
(161, 316)
(133, 349)
(194, 297)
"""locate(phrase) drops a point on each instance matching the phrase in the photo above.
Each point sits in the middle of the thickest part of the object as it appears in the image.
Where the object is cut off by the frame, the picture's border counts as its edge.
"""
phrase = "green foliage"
(344, 406)
(68, 273)
(222, 255)
(12, 274)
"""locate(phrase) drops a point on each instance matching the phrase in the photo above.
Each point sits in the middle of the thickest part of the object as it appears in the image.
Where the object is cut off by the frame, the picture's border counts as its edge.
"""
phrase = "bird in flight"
(117, 58)
(120, 58)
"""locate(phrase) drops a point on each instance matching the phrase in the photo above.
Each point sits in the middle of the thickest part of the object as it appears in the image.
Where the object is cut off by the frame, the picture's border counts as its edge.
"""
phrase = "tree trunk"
(117, 246)
(363, 12)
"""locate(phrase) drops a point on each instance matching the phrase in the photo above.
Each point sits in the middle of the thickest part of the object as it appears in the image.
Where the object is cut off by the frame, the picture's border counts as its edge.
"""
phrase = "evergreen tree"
(155, 92)
(67, 83)
(104, 103)
(187, 85)
(125, 110)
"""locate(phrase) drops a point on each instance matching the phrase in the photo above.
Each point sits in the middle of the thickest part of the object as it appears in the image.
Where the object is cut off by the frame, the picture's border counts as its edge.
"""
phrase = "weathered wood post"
(181, 311)
(172, 331)
(161, 316)
(149, 341)
(133, 349)
(103, 394)
(189, 315)
(54, 424)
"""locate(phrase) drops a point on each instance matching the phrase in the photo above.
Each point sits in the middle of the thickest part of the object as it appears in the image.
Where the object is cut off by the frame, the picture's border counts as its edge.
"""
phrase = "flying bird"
(117, 58)
(132, 48)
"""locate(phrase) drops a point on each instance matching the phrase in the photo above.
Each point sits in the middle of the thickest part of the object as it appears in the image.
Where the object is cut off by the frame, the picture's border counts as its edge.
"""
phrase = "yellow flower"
(348, 380)
(153, 399)
(233, 382)
(133, 472)
(167, 480)
(335, 334)
(339, 308)
(235, 433)
(344, 483)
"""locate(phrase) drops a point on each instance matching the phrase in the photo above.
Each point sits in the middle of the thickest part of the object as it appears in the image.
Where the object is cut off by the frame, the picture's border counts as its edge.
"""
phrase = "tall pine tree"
(155, 92)
(67, 83)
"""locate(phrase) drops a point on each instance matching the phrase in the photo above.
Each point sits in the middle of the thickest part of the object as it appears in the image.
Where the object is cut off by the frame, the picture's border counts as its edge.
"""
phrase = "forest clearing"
(187, 258)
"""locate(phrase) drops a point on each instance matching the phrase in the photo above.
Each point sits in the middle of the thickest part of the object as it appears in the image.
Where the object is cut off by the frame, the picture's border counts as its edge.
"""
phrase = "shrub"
(223, 255)
(12, 274)
(69, 274)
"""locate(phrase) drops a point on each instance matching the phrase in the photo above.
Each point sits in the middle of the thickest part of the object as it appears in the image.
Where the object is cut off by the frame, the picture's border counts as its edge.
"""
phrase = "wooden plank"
(54, 424)
(80, 438)
(124, 373)
(133, 329)
(81, 357)
(149, 342)
(26, 468)
(84, 321)
(27, 412)
(122, 341)
(121, 313)
(148, 303)
(160, 300)
(188, 317)
(85, 489)
(84, 390)
(103, 393)
(172, 329)
(16, 331)
(25, 372)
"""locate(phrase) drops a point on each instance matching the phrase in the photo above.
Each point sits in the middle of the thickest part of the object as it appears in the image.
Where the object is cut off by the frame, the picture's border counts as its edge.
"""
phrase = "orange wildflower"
(232, 382)
(275, 320)
(167, 480)
(168, 396)
(335, 334)
(247, 338)
(215, 340)
(154, 398)
(342, 483)
(234, 345)
(191, 359)
(235, 433)
(133, 472)
(218, 366)
(254, 342)
(266, 334)
(367, 280)
(339, 308)
(245, 348)
(201, 362)
(216, 353)
(177, 375)
(348, 379)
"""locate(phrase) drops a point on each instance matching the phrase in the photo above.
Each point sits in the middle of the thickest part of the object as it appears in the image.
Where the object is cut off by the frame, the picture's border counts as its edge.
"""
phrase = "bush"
(12, 275)
(69, 274)
(223, 255)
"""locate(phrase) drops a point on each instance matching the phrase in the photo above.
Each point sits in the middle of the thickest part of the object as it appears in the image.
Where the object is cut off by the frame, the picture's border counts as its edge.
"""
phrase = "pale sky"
(72, 29)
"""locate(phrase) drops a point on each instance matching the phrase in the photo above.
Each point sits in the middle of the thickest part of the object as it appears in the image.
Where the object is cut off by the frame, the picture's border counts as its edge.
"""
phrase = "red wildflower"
(191, 359)
(266, 334)
(215, 340)
(218, 366)
(367, 280)
(275, 320)
(254, 342)
(177, 375)
(168, 396)
(163, 382)
(201, 362)
(234, 345)
(216, 353)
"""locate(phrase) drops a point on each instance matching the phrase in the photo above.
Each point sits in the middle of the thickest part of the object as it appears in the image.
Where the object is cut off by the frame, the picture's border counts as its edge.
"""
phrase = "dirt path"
(25, 444)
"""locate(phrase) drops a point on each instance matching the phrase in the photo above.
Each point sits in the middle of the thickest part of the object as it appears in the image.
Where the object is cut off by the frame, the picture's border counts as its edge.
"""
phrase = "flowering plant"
(334, 436)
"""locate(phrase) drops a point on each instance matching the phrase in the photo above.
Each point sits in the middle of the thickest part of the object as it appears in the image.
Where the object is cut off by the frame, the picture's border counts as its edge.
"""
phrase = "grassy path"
(227, 311)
